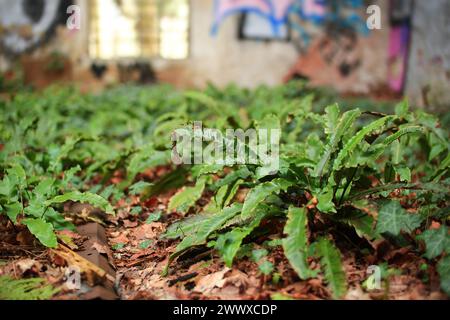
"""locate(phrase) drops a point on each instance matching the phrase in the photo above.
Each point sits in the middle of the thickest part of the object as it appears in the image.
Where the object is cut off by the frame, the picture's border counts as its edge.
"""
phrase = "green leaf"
(118, 246)
(228, 244)
(68, 146)
(280, 297)
(259, 254)
(139, 187)
(295, 245)
(13, 210)
(404, 173)
(393, 218)
(266, 267)
(145, 158)
(400, 133)
(332, 118)
(19, 174)
(185, 199)
(145, 244)
(44, 188)
(342, 127)
(436, 241)
(357, 139)
(402, 108)
(242, 173)
(57, 220)
(204, 229)
(325, 202)
(207, 101)
(43, 231)
(156, 216)
(200, 170)
(363, 224)
(330, 260)
(443, 269)
(86, 197)
(25, 289)
(261, 192)
(69, 175)
(6, 187)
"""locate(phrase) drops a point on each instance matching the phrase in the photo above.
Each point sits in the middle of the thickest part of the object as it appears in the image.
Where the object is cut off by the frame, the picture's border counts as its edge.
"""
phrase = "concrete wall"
(428, 81)
(223, 59)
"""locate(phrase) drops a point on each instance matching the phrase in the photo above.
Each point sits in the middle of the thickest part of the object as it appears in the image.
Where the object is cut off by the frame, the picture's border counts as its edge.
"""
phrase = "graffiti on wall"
(300, 16)
(400, 14)
(25, 24)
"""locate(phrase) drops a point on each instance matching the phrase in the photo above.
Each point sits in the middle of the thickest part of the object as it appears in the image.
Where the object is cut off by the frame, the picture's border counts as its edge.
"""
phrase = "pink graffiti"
(312, 8)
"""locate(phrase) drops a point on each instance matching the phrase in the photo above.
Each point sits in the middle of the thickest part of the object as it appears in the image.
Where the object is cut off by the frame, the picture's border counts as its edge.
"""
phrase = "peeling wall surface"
(358, 64)
(429, 65)
(223, 59)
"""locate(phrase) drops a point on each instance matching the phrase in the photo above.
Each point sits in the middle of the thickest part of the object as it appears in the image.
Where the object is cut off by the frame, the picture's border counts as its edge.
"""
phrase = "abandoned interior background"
(106, 136)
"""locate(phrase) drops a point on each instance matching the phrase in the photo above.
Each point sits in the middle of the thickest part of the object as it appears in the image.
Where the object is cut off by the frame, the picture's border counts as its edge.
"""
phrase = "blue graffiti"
(337, 13)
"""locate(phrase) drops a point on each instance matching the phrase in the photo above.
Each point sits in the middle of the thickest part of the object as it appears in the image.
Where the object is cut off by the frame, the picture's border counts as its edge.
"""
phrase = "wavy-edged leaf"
(400, 133)
(443, 167)
(330, 261)
(242, 173)
(144, 159)
(68, 146)
(295, 245)
(228, 244)
(57, 220)
(207, 101)
(205, 229)
(357, 139)
(185, 226)
(261, 192)
(43, 231)
(393, 218)
(86, 197)
(185, 199)
(345, 122)
(25, 289)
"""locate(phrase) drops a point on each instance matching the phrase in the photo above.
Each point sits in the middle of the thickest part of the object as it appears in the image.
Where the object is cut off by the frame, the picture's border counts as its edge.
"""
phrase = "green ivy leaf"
(43, 231)
(443, 269)
(436, 241)
(393, 218)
